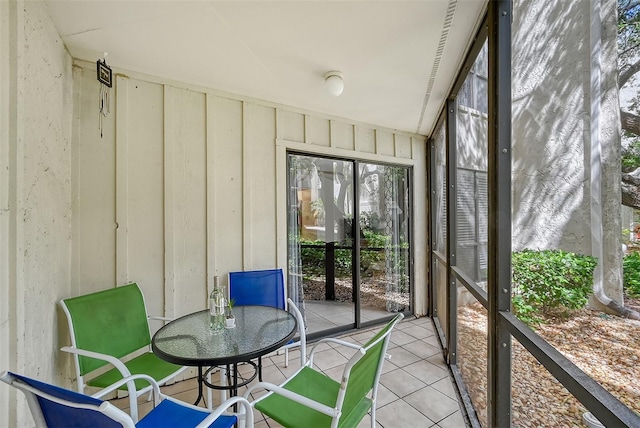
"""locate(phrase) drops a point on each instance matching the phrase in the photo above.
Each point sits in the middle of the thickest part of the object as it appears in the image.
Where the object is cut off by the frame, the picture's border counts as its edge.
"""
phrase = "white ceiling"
(398, 57)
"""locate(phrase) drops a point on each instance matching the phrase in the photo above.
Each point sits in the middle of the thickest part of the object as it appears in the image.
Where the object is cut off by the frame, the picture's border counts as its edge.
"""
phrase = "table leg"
(200, 382)
(234, 391)
(235, 379)
(230, 383)
(227, 382)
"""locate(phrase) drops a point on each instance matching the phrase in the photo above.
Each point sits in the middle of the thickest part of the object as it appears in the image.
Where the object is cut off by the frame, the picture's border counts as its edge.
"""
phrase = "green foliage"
(631, 156)
(343, 262)
(550, 281)
(312, 258)
(375, 239)
(631, 274)
(372, 256)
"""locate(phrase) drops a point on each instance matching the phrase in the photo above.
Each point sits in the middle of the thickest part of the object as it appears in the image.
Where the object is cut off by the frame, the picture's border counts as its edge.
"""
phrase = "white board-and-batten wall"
(187, 183)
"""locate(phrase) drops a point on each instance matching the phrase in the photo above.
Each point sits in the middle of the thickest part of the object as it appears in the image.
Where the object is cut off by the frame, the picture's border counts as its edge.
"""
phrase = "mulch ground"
(372, 291)
(605, 347)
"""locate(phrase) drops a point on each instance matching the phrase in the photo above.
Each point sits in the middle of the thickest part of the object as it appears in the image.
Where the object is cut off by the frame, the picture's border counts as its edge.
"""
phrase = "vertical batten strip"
(281, 195)
(281, 207)
(210, 194)
(395, 144)
(332, 138)
(356, 145)
(122, 180)
(375, 142)
(247, 231)
(412, 151)
(169, 204)
(353, 137)
(280, 202)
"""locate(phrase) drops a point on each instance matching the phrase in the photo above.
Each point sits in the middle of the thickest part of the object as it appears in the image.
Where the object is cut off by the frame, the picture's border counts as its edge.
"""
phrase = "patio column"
(499, 180)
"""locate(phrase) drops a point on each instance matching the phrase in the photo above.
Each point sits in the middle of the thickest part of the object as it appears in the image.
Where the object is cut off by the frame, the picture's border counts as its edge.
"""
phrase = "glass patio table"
(189, 341)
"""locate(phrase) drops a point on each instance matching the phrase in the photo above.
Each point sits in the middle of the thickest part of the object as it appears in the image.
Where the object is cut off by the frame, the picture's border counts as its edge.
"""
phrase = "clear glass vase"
(217, 306)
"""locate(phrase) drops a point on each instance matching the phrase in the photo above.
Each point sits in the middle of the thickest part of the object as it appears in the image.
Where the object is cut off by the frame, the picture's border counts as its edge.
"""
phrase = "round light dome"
(334, 82)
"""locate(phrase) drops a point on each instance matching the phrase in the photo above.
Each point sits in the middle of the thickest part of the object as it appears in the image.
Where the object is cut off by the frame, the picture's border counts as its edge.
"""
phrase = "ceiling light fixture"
(335, 84)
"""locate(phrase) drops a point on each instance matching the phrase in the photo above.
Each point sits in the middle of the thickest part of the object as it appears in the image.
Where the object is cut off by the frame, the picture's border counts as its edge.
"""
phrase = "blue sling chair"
(265, 288)
(52, 406)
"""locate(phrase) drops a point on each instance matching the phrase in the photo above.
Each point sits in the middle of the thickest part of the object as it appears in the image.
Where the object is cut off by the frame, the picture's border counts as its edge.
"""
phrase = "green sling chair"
(309, 398)
(106, 328)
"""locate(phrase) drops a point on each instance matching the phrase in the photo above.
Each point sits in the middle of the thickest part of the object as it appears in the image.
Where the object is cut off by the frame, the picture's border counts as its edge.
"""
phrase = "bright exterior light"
(335, 84)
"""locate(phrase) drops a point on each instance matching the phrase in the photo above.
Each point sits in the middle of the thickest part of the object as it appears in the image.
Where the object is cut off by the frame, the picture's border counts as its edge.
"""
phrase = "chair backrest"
(257, 287)
(112, 322)
(362, 372)
(53, 406)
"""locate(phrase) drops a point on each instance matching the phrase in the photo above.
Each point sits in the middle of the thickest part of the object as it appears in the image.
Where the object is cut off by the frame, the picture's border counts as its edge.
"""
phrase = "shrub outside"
(550, 282)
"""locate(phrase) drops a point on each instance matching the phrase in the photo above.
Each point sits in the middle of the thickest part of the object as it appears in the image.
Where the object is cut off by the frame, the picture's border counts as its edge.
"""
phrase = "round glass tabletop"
(190, 341)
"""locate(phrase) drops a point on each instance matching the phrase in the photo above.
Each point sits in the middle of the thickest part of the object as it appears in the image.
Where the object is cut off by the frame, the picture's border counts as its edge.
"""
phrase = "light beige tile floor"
(322, 315)
(416, 389)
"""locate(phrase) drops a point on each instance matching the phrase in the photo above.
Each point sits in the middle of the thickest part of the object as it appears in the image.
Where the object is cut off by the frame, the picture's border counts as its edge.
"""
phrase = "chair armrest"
(157, 395)
(302, 332)
(330, 411)
(247, 411)
(109, 358)
(160, 318)
(120, 366)
(157, 320)
(332, 340)
(339, 342)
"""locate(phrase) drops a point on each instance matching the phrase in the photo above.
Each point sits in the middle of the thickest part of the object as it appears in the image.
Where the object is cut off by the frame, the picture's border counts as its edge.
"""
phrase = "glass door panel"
(323, 207)
(384, 240)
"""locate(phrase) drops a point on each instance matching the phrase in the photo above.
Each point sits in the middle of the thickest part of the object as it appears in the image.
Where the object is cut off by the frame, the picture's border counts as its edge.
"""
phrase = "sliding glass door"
(345, 273)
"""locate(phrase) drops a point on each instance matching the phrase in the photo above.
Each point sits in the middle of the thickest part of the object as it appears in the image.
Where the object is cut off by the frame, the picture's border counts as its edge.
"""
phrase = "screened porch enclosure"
(485, 159)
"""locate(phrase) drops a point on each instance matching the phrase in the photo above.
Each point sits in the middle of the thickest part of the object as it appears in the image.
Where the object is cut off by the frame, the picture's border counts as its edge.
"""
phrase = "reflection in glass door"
(384, 207)
(338, 281)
